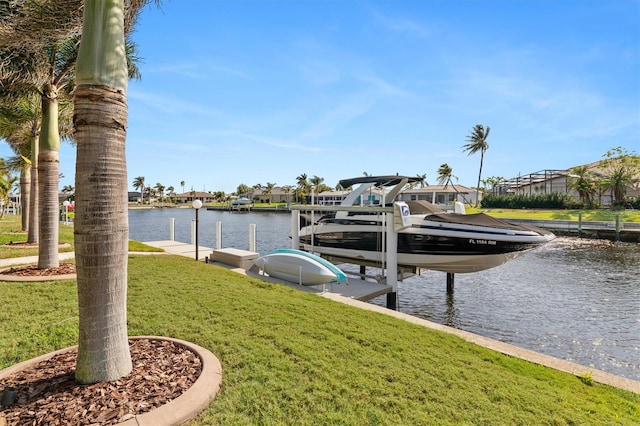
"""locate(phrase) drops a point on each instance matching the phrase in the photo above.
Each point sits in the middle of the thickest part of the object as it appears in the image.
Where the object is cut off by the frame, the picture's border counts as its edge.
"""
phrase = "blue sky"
(262, 91)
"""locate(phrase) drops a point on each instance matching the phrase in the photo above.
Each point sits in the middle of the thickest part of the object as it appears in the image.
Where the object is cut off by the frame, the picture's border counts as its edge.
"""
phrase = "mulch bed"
(47, 394)
(32, 270)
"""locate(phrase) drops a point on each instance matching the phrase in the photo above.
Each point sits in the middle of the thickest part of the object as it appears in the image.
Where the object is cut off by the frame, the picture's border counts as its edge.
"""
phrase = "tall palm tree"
(101, 225)
(477, 141)
(138, 183)
(182, 185)
(20, 127)
(44, 49)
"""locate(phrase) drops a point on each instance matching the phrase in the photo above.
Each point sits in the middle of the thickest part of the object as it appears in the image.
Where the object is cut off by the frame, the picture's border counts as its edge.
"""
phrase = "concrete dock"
(182, 249)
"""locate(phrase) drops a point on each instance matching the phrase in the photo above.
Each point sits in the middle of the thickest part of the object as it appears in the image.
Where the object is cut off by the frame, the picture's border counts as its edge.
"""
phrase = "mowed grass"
(540, 214)
(293, 358)
(10, 233)
(290, 357)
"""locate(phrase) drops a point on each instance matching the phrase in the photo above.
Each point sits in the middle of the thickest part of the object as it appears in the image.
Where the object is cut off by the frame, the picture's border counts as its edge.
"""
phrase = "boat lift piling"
(391, 255)
(450, 281)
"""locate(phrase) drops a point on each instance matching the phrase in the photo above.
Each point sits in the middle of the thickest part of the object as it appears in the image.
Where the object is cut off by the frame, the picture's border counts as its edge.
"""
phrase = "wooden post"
(450, 281)
(363, 271)
(579, 225)
(617, 226)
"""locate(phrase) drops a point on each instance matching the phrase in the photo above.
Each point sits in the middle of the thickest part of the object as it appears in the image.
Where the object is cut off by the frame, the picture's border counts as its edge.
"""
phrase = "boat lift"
(393, 220)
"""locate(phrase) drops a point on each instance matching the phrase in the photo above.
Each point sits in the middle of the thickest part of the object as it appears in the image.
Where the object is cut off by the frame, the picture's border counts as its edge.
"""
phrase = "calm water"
(574, 299)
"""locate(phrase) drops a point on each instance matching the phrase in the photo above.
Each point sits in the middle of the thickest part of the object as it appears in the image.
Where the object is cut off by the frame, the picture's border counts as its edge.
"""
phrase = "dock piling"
(450, 281)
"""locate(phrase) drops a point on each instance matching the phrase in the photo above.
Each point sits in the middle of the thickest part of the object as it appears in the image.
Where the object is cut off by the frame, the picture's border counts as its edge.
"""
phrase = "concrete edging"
(178, 411)
(505, 348)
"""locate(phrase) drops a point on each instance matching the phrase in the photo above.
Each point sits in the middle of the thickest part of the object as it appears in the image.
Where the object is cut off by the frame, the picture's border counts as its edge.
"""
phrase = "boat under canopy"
(436, 239)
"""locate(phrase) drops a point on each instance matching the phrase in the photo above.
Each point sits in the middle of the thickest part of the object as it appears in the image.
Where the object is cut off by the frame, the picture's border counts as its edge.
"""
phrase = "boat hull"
(299, 267)
(455, 249)
(452, 263)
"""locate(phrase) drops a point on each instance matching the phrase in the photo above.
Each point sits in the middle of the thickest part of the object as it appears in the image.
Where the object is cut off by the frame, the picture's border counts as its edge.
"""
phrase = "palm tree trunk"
(25, 195)
(101, 224)
(101, 233)
(48, 175)
(479, 178)
(34, 226)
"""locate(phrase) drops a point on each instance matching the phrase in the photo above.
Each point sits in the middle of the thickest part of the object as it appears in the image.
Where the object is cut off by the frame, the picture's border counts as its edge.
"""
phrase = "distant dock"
(614, 231)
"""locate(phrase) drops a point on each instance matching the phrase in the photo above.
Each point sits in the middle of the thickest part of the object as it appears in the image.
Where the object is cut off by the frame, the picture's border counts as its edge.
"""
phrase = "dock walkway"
(182, 249)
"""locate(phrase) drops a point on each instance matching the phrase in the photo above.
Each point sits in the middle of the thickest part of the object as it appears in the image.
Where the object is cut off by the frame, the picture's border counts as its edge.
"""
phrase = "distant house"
(334, 198)
(441, 195)
(559, 181)
(133, 197)
(189, 196)
(275, 196)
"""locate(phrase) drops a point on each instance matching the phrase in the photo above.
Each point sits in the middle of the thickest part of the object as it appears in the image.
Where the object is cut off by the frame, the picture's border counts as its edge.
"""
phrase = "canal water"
(574, 299)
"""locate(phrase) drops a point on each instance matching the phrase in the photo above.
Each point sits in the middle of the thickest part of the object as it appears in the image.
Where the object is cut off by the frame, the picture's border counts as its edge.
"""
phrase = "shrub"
(536, 201)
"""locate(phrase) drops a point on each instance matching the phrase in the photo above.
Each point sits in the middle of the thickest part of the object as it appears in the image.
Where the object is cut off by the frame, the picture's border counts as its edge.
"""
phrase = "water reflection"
(451, 312)
(574, 299)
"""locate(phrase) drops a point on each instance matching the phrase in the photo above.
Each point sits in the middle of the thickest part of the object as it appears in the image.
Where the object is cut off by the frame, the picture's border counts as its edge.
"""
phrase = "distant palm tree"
(493, 181)
(303, 187)
(477, 141)
(268, 188)
(445, 173)
(138, 183)
(423, 181)
(621, 167)
(242, 189)
(160, 188)
(150, 191)
(20, 128)
(171, 194)
(6, 184)
(316, 181)
(583, 181)
(182, 185)
(68, 191)
(287, 190)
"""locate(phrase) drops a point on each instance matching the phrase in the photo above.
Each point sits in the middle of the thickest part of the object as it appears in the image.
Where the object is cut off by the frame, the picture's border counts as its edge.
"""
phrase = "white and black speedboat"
(435, 239)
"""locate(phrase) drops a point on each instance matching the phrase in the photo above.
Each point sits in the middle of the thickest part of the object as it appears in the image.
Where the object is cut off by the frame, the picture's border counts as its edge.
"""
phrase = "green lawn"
(10, 233)
(587, 215)
(289, 357)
